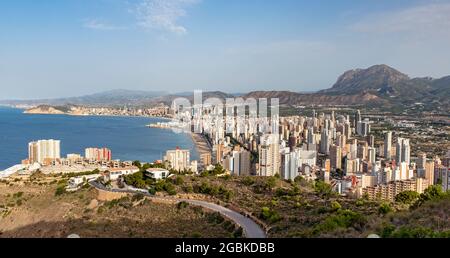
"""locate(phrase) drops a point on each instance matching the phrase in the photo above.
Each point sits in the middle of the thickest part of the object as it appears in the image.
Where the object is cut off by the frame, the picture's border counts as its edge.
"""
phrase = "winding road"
(250, 227)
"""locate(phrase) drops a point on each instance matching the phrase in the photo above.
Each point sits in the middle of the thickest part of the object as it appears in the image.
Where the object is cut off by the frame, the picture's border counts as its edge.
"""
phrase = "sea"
(128, 137)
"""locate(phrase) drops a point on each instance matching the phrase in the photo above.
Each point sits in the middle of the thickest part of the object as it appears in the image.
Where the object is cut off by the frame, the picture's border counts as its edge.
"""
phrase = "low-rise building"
(157, 173)
(114, 173)
(390, 190)
(75, 182)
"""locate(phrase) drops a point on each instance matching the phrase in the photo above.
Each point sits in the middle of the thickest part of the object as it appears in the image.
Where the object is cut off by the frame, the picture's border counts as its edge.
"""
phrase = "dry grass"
(42, 214)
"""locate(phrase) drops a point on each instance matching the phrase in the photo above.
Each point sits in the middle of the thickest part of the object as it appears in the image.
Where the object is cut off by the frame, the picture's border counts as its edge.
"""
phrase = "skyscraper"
(44, 149)
(429, 172)
(388, 145)
(238, 163)
(357, 119)
(422, 160)
(372, 155)
(403, 151)
(269, 155)
(371, 140)
(363, 127)
(311, 136)
(325, 142)
(336, 157)
(289, 165)
(103, 154)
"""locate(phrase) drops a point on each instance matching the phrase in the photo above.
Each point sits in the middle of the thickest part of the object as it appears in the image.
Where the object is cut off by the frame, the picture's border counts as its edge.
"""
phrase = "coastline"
(201, 145)
(122, 148)
(91, 115)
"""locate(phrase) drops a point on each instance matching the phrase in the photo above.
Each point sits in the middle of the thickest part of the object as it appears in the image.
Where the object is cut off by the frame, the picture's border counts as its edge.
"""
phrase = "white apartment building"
(269, 155)
(178, 159)
(41, 150)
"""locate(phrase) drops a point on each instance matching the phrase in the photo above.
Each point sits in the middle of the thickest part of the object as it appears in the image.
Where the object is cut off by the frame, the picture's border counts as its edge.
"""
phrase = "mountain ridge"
(377, 85)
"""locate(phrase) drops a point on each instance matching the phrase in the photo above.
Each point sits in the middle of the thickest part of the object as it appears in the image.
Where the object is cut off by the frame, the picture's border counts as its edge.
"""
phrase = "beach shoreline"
(201, 144)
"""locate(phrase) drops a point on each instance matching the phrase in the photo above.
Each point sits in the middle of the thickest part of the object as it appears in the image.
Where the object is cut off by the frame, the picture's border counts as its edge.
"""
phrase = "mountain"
(377, 77)
(379, 85)
(392, 87)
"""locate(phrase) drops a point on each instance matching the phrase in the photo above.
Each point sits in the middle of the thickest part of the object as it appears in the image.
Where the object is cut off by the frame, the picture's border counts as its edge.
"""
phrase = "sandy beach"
(201, 144)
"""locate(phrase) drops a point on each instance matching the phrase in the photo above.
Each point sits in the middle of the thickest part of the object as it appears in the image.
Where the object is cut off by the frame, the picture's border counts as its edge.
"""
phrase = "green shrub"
(432, 193)
(271, 182)
(182, 205)
(335, 206)
(179, 180)
(137, 180)
(60, 190)
(152, 191)
(229, 226)
(18, 195)
(170, 189)
(270, 215)
(407, 197)
(384, 208)
(323, 189)
(196, 235)
(188, 189)
(215, 218)
(138, 197)
(248, 181)
(343, 219)
(360, 202)
(238, 233)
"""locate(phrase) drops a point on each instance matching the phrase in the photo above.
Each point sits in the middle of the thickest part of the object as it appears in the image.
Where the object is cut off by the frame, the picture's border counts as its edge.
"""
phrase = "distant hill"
(294, 98)
(117, 97)
(377, 85)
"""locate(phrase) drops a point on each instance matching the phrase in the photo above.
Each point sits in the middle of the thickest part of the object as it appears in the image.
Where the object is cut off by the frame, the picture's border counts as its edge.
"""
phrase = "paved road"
(250, 227)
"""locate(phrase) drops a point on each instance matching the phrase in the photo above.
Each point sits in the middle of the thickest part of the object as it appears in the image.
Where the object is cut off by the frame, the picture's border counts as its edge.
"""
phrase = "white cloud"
(423, 19)
(95, 24)
(163, 14)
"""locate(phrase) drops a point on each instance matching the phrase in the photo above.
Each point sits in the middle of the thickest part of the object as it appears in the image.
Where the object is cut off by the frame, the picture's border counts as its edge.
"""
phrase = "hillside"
(311, 209)
(293, 98)
(31, 209)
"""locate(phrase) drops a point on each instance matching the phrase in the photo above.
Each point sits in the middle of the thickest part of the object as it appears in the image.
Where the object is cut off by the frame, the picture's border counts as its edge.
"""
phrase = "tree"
(323, 189)
(218, 170)
(384, 208)
(271, 182)
(170, 189)
(179, 180)
(137, 163)
(270, 215)
(433, 192)
(248, 181)
(407, 197)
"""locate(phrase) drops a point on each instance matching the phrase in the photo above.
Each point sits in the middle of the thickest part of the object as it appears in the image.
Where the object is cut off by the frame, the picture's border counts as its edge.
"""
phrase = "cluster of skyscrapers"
(48, 152)
(318, 147)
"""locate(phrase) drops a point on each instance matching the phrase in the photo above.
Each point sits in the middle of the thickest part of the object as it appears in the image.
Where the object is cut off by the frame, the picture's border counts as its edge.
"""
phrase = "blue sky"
(60, 48)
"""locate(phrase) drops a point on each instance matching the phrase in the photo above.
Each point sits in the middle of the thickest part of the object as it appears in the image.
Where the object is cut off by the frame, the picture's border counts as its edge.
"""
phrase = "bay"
(127, 137)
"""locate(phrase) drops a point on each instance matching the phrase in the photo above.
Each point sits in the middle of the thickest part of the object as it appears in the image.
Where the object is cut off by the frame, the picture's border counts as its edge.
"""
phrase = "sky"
(64, 48)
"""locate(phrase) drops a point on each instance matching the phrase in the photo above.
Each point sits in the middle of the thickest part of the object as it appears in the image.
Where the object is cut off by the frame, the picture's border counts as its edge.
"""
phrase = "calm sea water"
(127, 137)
